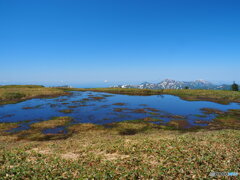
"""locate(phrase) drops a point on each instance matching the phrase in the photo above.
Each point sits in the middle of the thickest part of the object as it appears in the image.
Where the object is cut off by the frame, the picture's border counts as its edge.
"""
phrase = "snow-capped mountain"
(172, 84)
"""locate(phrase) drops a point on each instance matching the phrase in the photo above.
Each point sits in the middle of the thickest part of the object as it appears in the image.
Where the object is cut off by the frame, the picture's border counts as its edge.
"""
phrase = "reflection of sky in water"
(102, 111)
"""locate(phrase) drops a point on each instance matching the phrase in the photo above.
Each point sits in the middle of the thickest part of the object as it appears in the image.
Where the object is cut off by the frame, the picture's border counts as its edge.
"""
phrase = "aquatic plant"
(67, 111)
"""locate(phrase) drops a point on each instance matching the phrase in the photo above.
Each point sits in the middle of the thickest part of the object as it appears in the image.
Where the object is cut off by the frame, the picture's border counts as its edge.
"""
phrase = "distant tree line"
(235, 87)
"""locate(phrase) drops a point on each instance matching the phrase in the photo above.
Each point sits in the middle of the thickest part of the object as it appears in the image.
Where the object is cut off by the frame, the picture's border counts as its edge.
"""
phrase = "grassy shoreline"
(219, 96)
(17, 93)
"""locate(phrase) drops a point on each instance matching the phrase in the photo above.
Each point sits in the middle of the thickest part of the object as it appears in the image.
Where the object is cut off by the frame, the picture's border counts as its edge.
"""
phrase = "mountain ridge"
(174, 84)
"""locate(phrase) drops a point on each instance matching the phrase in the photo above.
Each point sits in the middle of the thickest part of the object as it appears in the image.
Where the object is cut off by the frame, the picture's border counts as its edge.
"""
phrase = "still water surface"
(88, 109)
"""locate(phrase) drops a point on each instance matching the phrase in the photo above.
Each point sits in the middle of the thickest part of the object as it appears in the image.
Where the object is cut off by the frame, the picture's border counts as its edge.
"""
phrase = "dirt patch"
(70, 156)
(115, 156)
(41, 151)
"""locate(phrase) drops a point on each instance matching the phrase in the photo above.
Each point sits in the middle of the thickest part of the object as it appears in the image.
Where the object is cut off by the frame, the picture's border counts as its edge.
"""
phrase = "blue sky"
(89, 41)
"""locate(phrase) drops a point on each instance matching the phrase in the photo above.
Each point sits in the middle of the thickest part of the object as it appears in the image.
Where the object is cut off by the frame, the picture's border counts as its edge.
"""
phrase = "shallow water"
(87, 109)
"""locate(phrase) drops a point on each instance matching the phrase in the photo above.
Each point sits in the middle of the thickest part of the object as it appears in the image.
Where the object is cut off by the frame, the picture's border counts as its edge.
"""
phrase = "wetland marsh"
(93, 134)
(104, 108)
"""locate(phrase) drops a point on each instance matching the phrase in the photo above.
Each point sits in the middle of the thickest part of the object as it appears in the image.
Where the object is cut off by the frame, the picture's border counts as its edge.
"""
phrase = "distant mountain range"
(172, 84)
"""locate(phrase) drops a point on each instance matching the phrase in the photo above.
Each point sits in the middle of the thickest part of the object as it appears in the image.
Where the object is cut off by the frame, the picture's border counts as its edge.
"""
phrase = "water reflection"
(104, 108)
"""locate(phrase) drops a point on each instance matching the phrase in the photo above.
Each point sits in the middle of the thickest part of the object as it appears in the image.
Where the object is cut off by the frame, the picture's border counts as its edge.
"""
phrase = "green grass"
(17, 93)
(125, 150)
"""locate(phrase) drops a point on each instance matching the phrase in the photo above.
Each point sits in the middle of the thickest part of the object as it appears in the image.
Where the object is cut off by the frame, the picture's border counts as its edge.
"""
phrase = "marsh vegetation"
(17, 93)
(108, 136)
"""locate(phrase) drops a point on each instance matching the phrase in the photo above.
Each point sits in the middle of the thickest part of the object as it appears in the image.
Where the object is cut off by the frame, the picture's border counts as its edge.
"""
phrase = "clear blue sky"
(89, 41)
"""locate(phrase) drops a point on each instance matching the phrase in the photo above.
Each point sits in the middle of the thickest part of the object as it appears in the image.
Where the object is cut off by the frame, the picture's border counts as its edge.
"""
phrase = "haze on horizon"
(91, 41)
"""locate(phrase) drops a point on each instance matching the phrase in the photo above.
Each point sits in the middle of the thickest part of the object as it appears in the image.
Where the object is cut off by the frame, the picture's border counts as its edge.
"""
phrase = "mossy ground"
(125, 150)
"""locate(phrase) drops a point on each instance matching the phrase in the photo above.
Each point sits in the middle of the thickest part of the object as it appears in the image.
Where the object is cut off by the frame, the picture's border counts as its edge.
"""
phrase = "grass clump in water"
(119, 104)
(66, 111)
(54, 122)
(35, 133)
